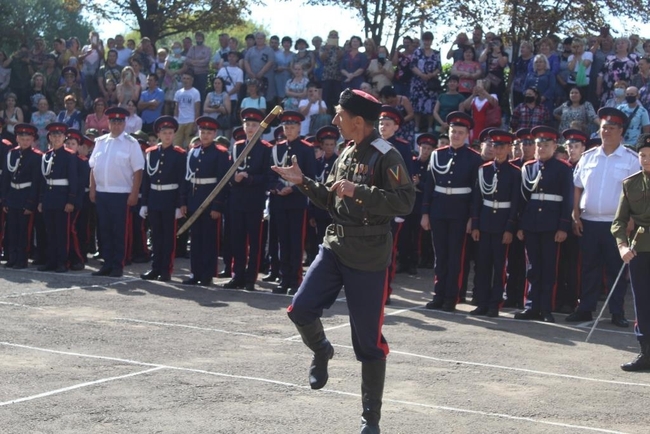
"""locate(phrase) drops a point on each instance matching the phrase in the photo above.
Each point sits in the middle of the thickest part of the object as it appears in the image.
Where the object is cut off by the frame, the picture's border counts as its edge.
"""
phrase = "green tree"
(160, 19)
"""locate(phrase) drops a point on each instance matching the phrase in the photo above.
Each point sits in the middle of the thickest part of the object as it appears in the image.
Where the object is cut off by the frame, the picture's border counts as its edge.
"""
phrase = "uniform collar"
(618, 152)
(368, 140)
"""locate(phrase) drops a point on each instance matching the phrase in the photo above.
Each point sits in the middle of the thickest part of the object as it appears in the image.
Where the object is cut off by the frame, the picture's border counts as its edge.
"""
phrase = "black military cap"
(291, 117)
(360, 103)
(327, 132)
(391, 113)
(573, 135)
(460, 119)
(427, 139)
(501, 137)
(612, 116)
(485, 134)
(643, 141)
(26, 130)
(544, 133)
(207, 123)
(238, 134)
(72, 133)
(165, 122)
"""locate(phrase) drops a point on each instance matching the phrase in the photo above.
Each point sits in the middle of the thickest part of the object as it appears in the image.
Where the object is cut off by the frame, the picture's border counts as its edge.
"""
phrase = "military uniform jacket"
(60, 179)
(304, 152)
(83, 185)
(496, 198)
(404, 148)
(383, 190)
(203, 166)
(250, 193)
(163, 178)
(420, 169)
(634, 203)
(323, 168)
(450, 181)
(547, 192)
(21, 168)
(5, 148)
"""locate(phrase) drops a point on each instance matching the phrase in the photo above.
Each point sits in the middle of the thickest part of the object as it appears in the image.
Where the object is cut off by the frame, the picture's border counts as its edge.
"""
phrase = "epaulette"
(442, 148)
(151, 148)
(487, 163)
(102, 137)
(267, 144)
(514, 165)
(415, 158)
(381, 145)
(565, 162)
(633, 175)
(306, 143)
(240, 142)
(631, 151)
(131, 139)
(222, 148)
(37, 151)
(590, 150)
(70, 151)
(473, 150)
(282, 142)
(82, 158)
(7, 142)
(401, 140)
(15, 148)
(179, 149)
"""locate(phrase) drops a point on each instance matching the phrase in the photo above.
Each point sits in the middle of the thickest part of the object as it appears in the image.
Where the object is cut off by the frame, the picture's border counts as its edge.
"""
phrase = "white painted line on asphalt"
(78, 386)
(20, 305)
(72, 288)
(166, 324)
(304, 387)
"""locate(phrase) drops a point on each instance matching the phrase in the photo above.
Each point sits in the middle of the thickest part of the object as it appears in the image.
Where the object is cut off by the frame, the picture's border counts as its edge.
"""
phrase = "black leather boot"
(313, 336)
(373, 375)
(642, 361)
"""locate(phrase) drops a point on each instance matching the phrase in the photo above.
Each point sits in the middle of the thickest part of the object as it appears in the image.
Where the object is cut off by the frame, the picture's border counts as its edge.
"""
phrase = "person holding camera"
(426, 68)
(462, 42)
(380, 71)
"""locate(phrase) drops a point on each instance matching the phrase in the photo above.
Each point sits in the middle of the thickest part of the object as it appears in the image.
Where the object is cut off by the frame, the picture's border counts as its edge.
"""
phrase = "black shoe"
(292, 290)
(224, 274)
(164, 277)
(318, 375)
(46, 268)
(77, 267)
(492, 312)
(141, 259)
(61, 269)
(10, 264)
(39, 262)
(280, 290)
(413, 270)
(150, 275)
(479, 311)
(103, 271)
(191, 281)
(205, 282)
(473, 302)
(548, 317)
(618, 319)
(434, 305)
(182, 254)
(117, 272)
(367, 428)
(401, 269)
(20, 266)
(511, 303)
(388, 301)
(97, 255)
(449, 306)
(642, 361)
(250, 286)
(270, 278)
(528, 314)
(579, 316)
(233, 284)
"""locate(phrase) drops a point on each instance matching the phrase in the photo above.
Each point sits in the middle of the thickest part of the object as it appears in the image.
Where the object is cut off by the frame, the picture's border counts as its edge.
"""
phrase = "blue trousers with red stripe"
(19, 235)
(448, 245)
(57, 228)
(204, 248)
(490, 270)
(246, 230)
(163, 239)
(365, 293)
(640, 282)
(291, 236)
(543, 254)
(112, 222)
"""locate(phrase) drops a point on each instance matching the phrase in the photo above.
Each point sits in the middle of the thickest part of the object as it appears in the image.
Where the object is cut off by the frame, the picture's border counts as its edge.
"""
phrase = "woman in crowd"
(577, 108)
(448, 102)
(217, 104)
(547, 48)
(484, 108)
(303, 57)
(283, 58)
(353, 65)
(127, 89)
(370, 49)
(389, 96)
(314, 109)
(70, 115)
(174, 68)
(40, 119)
(425, 85)
(52, 76)
(619, 94)
(520, 68)
(111, 93)
(402, 62)
(91, 57)
(530, 113)
(98, 119)
(543, 80)
(140, 73)
(253, 98)
(380, 70)
(73, 52)
(133, 122)
(642, 82)
(495, 60)
(295, 88)
(70, 87)
(468, 70)
(579, 65)
(619, 66)
(12, 114)
(37, 91)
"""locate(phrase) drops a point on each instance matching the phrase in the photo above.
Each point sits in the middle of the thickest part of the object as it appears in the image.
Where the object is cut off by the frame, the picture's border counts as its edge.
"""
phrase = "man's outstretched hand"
(292, 173)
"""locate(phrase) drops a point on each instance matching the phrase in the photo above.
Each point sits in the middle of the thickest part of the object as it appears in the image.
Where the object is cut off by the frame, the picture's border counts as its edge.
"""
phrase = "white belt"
(57, 182)
(450, 190)
(495, 204)
(546, 197)
(164, 187)
(21, 186)
(203, 181)
(87, 189)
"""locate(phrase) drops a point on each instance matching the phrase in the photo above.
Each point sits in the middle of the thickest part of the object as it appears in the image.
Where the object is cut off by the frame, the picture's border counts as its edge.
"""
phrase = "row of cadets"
(206, 165)
(494, 222)
(288, 207)
(545, 220)
(162, 197)
(58, 197)
(21, 177)
(446, 208)
(247, 198)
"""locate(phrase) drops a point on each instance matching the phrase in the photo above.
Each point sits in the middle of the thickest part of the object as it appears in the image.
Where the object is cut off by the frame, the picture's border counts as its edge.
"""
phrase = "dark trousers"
(112, 223)
(516, 283)
(568, 279)
(396, 229)
(543, 253)
(85, 234)
(331, 93)
(365, 294)
(449, 248)
(408, 240)
(425, 248)
(469, 258)
(200, 84)
(75, 255)
(490, 270)
(137, 235)
(600, 254)
(640, 282)
(163, 239)
(291, 236)
(246, 236)
(19, 235)
(40, 239)
(57, 228)
(226, 249)
(273, 247)
(204, 248)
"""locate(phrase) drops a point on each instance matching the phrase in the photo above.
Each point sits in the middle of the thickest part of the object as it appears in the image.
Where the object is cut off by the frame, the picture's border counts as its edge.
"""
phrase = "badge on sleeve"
(398, 176)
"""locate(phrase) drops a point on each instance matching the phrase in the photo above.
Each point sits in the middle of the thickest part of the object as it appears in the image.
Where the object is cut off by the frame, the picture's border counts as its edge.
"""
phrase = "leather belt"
(358, 231)
(164, 187)
(21, 186)
(495, 204)
(547, 197)
(203, 181)
(57, 182)
(450, 190)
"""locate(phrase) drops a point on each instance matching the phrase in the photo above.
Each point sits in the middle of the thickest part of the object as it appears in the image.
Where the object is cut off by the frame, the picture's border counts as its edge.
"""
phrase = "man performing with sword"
(368, 186)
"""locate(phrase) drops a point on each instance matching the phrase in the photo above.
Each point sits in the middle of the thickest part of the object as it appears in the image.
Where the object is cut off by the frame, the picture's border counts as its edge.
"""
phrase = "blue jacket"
(21, 167)
(304, 152)
(494, 219)
(59, 166)
(164, 168)
(250, 193)
(206, 164)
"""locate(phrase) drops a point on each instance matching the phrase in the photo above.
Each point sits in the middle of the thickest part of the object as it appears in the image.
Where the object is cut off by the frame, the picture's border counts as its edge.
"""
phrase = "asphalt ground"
(83, 354)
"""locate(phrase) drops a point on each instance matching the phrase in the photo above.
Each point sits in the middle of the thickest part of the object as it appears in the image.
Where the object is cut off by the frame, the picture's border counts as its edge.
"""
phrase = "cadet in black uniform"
(58, 197)
(207, 163)
(21, 179)
(494, 222)
(423, 256)
(247, 198)
(446, 209)
(545, 220)
(367, 188)
(162, 196)
(79, 228)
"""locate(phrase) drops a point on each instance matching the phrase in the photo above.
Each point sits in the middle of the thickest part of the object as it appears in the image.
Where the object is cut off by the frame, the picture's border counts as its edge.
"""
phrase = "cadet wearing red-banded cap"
(80, 217)
(426, 142)
(390, 112)
(238, 134)
(328, 132)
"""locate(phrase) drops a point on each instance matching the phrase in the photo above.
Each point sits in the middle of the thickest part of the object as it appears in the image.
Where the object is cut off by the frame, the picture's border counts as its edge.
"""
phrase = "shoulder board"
(105, 136)
(473, 150)
(70, 151)
(37, 151)
(631, 151)
(381, 145)
(401, 140)
(179, 150)
(16, 148)
(565, 162)
(487, 163)
(632, 176)
(265, 143)
(282, 142)
(151, 148)
(415, 158)
(222, 148)
(306, 143)
(514, 165)
(240, 142)
(441, 149)
(131, 139)
(82, 158)
(590, 150)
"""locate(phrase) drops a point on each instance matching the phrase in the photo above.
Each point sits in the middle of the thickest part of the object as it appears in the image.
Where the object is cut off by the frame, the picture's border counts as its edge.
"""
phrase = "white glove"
(143, 211)
(399, 220)
(178, 213)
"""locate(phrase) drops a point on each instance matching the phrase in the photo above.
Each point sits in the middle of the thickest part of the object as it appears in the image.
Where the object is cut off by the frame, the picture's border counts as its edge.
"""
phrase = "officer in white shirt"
(598, 184)
(116, 173)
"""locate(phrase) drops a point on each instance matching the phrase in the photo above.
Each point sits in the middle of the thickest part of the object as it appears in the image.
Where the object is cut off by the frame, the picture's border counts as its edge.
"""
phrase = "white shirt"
(123, 56)
(313, 110)
(600, 176)
(231, 75)
(185, 99)
(132, 124)
(114, 161)
(587, 55)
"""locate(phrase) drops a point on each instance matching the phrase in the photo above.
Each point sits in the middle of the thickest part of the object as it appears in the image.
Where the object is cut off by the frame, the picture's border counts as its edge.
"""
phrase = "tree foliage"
(24, 20)
(160, 19)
